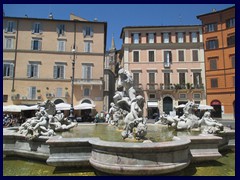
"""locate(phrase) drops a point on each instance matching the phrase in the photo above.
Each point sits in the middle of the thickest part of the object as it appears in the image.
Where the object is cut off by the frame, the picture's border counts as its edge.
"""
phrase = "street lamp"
(71, 116)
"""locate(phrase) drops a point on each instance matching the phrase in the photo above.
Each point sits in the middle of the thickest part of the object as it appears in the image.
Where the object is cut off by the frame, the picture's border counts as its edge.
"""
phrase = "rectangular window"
(58, 72)
(197, 96)
(151, 56)
(197, 80)
(211, 27)
(87, 72)
(36, 44)
(61, 29)
(135, 56)
(88, 31)
(136, 38)
(213, 64)
(232, 57)
(167, 58)
(9, 43)
(32, 70)
(231, 40)
(151, 80)
(87, 46)
(8, 69)
(151, 38)
(32, 92)
(166, 80)
(166, 38)
(182, 96)
(194, 37)
(182, 81)
(10, 26)
(135, 79)
(36, 28)
(59, 92)
(195, 55)
(214, 83)
(180, 55)
(230, 23)
(180, 38)
(212, 44)
(61, 45)
(86, 92)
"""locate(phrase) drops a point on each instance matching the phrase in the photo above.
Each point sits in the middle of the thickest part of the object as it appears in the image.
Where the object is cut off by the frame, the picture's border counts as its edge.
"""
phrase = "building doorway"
(167, 105)
(217, 112)
(153, 110)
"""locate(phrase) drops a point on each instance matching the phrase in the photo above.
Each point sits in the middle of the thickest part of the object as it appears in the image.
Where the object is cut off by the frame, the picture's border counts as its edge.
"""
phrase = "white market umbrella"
(34, 107)
(14, 108)
(180, 106)
(84, 106)
(63, 106)
(205, 107)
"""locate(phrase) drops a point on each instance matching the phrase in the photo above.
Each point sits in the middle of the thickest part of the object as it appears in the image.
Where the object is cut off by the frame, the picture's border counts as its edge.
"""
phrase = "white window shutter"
(32, 42)
(62, 72)
(39, 45)
(58, 29)
(29, 93)
(40, 28)
(29, 70)
(33, 27)
(35, 70)
(54, 72)
(14, 26)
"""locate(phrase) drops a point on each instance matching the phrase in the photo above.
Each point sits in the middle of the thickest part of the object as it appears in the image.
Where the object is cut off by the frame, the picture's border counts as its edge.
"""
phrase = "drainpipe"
(225, 80)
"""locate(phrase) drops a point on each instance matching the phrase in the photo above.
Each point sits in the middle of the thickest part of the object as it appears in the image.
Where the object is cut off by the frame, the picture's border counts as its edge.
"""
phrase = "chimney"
(50, 16)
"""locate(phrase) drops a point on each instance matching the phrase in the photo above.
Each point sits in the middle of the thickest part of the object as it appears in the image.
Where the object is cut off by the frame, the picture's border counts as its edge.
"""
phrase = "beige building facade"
(167, 65)
(39, 56)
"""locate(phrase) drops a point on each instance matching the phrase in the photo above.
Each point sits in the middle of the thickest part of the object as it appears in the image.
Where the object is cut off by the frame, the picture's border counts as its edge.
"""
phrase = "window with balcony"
(37, 28)
(231, 40)
(59, 92)
(212, 44)
(167, 81)
(214, 83)
(230, 23)
(87, 72)
(59, 71)
(32, 93)
(151, 80)
(167, 58)
(135, 79)
(213, 64)
(8, 69)
(10, 27)
(180, 55)
(182, 80)
(61, 29)
(211, 27)
(36, 44)
(151, 56)
(197, 80)
(88, 31)
(195, 55)
(61, 45)
(232, 58)
(88, 46)
(135, 56)
(32, 70)
(9, 42)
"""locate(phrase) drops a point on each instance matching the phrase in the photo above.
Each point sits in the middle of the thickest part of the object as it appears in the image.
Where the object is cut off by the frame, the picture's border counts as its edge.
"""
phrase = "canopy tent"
(34, 107)
(84, 106)
(63, 106)
(205, 107)
(180, 106)
(14, 108)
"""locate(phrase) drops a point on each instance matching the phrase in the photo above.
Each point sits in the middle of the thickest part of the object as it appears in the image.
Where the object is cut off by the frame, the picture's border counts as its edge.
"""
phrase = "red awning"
(215, 103)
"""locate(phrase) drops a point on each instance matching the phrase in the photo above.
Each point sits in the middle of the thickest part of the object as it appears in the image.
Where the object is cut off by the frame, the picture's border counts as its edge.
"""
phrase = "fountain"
(135, 153)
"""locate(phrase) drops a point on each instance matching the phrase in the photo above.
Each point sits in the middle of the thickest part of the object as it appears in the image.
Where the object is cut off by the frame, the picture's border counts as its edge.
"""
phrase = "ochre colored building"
(219, 49)
(38, 57)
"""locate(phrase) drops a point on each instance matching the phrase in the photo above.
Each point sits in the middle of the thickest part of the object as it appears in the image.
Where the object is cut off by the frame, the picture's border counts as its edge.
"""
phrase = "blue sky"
(118, 15)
